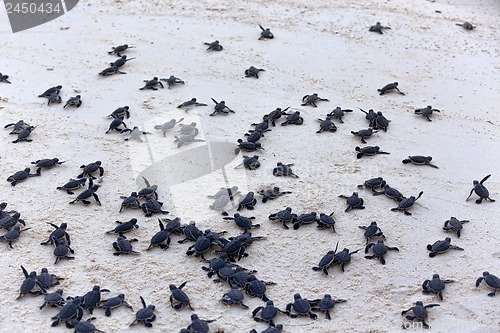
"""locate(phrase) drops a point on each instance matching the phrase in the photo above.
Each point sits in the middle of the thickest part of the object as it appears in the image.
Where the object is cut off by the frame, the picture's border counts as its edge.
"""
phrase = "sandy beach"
(322, 48)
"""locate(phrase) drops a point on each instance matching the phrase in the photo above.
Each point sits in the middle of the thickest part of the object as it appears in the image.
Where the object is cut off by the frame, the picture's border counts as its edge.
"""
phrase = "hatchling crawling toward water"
(312, 99)
(390, 87)
(378, 28)
(406, 204)
(466, 25)
(301, 307)
(364, 133)
(283, 170)
(146, 315)
(214, 46)
(326, 304)
(253, 72)
(167, 126)
(369, 151)
(4, 78)
(72, 185)
(186, 139)
(178, 297)
(455, 225)
(90, 168)
(20, 176)
(24, 134)
(480, 190)
(152, 84)
(426, 112)
(187, 105)
(420, 160)
(90, 192)
(372, 231)
(491, 281)
(271, 194)
(110, 71)
(46, 163)
(172, 80)
(379, 250)
(353, 201)
(419, 313)
(265, 33)
(113, 303)
(436, 285)
(119, 49)
(124, 246)
(441, 246)
(74, 101)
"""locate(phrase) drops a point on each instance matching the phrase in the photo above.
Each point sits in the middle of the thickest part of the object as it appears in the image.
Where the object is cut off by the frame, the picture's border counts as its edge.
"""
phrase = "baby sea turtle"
(436, 285)
(353, 201)
(189, 129)
(74, 101)
(71, 310)
(283, 170)
(254, 136)
(132, 201)
(390, 87)
(370, 115)
(171, 81)
(253, 72)
(420, 160)
(17, 127)
(24, 134)
(326, 125)
(406, 204)
(92, 298)
(178, 297)
(293, 118)
(263, 126)
(380, 122)
(257, 288)
(441, 246)
(251, 162)
(113, 303)
(120, 48)
(391, 193)
(62, 250)
(248, 201)
(149, 191)
(343, 257)
(85, 326)
(326, 221)
(326, 304)
(10, 221)
(152, 206)
(265, 33)
(13, 235)
(20, 176)
(187, 105)
(121, 112)
(267, 313)
(73, 184)
(379, 250)
(191, 232)
(325, 262)
(59, 234)
(199, 325)
(134, 134)
(271, 194)
(53, 299)
(455, 225)
(372, 231)
(419, 312)
(480, 190)
(124, 227)
(146, 315)
(220, 107)
(378, 28)
(90, 192)
(48, 280)
(271, 329)
(46, 163)
(284, 216)
(161, 238)
(338, 113)
(124, 246)
(247, 146)
(167, 126)
(426, 112)
(466, 25)
(301, 307)
(234, 296)
(214, 46)
(116, 123)
(50, 91)
(274, 115)
(312, 100)
(186, 139)
(4, 78)
(54, 98)
(30, 285)
(369, 151)
(110, 71)
(491, 281)
(90, 168)
(120, 62)
(364, 133)
(373, 183)
(152, 84)
(243, 222)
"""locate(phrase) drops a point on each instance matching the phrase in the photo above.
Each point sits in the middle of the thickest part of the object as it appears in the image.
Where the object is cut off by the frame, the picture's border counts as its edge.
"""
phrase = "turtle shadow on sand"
(185, 166)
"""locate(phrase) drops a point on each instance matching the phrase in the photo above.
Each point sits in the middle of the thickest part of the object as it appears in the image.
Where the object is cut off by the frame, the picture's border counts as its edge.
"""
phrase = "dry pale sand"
(324, 48)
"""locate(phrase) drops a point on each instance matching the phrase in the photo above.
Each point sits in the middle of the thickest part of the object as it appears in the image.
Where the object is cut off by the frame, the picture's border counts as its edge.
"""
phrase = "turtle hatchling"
(214, 46)
(271, 194)
(119, 49)
(364, 133)
(251, 162)
(146, 315)
(390, 87)
(220, 107)
(46, 163)
(326, 304)
(85, 326)
(426, 112)
(116, 123)
(24, 134)
(187, 105)
(267, 313)
(436, 285)
(149, 191)
(253, 72)
(110, 71)
(134, 134)
(152, 206)
(353, 201)
(71, 310)
(152, 84)
(338, 113)
(491, 281)
(441, 246)
(90, 168)
(325, 262)
(274, 115)
(379, 250)
(124, 227)
(74, 101)
(455, 225)
(161, 238)
(466, 25)
(391, 193)
(284, 216)
(326, 125)
(121, 112)
(380, 122)
(167, 126)
(326, 221)
(373, 183)
(247, 146)
(234, 296)
(20, 176)
(13, 235)
(132, 201)
(248, 201)
(17, 127)
(419, 313)
(48, 280)
(199, 325)
(113, 303)
(271, 329)
(480, 190)
(178, 297)
(420, 160)
(171, 81)
(73, 184)
(53, 299)
(371, 231)
(186, 139)
(283, 170)
(124, 246)
(312, 100)
(301, 307)
(370, 115)
(4, 78)
(10, 221)
(120, 62)
(59, 234)
(62, 250)
(90, 192)
(406, 204)
(92, 298)
(50, 91)
(293, 118)
(369, 151)
(378, 28)
(30, 285)
(54, 98)
(189, 129)
(265, 33)
(243, 222)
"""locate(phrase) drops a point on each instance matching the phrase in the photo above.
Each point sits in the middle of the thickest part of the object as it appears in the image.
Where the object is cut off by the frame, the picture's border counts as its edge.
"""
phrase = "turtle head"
(96, 288)
(435, 276)
(419, 303)
(297, 296)
(475, 182)
(172, 287)
(380, 241)
(63, 225)
(269, 303)
(194, 317)
(45, 270)
(485, 274)
(448, 239)
(373, 223)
